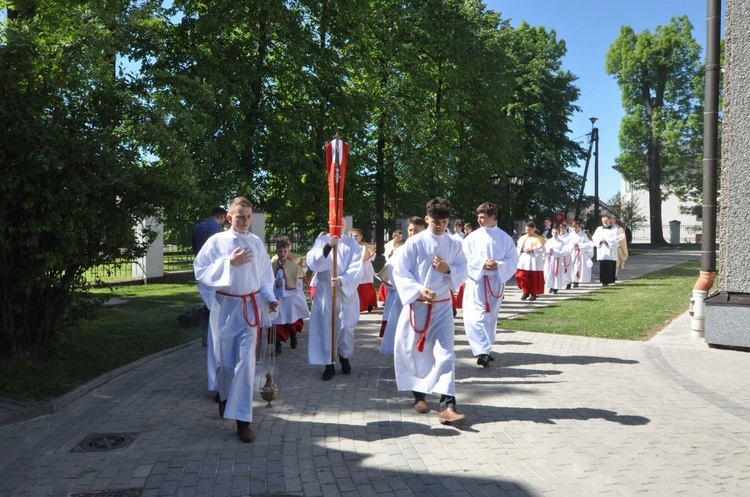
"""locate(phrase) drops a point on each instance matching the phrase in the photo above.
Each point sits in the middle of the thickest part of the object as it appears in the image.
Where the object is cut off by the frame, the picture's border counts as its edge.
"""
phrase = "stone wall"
(734, 220)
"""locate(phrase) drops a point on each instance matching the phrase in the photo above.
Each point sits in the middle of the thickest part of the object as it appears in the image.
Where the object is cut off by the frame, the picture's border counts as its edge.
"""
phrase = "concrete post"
(152, 264)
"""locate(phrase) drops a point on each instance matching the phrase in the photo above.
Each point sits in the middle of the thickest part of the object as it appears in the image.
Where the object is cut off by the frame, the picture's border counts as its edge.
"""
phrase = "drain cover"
(125, 492)
(103, 442)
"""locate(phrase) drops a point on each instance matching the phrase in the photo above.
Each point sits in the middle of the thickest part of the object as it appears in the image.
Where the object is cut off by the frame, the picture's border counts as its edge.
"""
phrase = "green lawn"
(145, 324)
(631, 310)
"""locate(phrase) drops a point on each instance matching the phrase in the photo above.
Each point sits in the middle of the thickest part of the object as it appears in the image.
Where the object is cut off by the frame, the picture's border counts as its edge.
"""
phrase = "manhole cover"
(125, 492)
(103, 442)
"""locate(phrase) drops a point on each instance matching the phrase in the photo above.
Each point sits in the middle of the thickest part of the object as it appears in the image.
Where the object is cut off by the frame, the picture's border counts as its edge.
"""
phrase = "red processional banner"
(336, 153)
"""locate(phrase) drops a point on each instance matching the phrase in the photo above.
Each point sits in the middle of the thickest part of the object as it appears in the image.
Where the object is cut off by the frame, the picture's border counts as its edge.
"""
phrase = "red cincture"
(245, 297)
(488, 292)
(423, 331)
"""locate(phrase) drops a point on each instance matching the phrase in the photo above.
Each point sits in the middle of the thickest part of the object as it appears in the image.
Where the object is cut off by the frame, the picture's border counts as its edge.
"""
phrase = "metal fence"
(674, 234)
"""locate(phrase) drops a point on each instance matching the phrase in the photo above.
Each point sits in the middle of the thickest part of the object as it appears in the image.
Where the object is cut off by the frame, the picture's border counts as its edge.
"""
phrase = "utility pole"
(595, 137)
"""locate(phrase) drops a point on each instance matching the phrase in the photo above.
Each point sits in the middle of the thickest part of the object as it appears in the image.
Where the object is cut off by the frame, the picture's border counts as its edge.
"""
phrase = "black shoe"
(369, 308)
(551, 290)
(328, 372)
(554, 291)
(346, 368)
(568, 287)
(455, 312)
(222, 407)
(217, 398)
(483, 360)
(293, 341)
(524, 296)
(245, 432)
(575, 285)
(492, 357)
(533, 297)
(278, 349)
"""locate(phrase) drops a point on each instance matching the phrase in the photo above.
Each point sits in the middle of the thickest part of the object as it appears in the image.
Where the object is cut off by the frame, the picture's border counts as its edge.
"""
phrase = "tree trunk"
(380, 170)
(654, 193)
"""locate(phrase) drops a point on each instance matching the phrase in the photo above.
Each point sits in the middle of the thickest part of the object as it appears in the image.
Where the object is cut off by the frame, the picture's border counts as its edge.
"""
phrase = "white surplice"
(433, 369)
(606, 241)
(566, 260)
(484, 288)
(391, 312)
(555, 251)
(349, 270)
(234, 318)
(581, 271)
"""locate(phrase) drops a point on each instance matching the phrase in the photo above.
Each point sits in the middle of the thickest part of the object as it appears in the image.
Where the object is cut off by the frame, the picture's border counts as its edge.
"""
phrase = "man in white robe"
(425, 270)
(235, 265)
(606, 239)
(622, 247)
(348, 277)
(492, 260)
(556, 251)
(566, 260)
(581, 246)
(393, 306)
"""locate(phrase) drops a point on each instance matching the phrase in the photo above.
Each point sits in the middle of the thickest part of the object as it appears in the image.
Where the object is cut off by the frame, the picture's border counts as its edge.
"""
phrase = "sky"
(589, 27)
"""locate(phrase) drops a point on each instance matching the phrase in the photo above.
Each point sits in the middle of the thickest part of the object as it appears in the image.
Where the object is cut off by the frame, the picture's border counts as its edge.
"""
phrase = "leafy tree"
(544, 100)
(659, 76)
(75, 143)
(628, 212)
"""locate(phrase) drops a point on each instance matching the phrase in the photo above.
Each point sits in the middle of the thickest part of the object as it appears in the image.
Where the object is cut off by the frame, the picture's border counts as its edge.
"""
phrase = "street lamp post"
(514, 180)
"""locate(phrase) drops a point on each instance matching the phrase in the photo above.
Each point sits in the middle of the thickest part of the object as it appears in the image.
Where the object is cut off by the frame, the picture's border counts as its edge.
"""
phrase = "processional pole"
(336, 155)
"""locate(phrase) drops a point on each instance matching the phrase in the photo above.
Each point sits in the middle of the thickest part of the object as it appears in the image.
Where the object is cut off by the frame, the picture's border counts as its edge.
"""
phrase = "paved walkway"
(552, 416)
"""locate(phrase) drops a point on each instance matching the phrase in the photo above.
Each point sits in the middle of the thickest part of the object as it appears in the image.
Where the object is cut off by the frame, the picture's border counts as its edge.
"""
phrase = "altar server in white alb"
(425, 270)
(235, 264)
(348, 277)
(393, 305)
(606, 240)
(556, 251)
(492, 259)
(581, 250)
(566, 261)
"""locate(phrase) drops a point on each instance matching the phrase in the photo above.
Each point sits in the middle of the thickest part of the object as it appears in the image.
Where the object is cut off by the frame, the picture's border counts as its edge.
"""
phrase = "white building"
(676, 226)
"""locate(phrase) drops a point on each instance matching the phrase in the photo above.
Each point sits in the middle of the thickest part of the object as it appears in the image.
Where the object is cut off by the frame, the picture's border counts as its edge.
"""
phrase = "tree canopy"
(114, 113)
(659, 75)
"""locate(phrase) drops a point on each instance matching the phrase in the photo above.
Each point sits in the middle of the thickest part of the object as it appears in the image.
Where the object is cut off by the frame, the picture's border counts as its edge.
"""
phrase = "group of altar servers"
(247, 292)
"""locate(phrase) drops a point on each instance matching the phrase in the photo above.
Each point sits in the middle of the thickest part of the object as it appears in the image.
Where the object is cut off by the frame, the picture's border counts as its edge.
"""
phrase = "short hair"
(417, 221)
(355, 230)
(576, 223)
(396, 232)
(530, 224)
(457, 222)
(240, 202)
(563, 224)
(488, 209)
(439, 208)
(218, 211)
(281, 243)
(547, 219)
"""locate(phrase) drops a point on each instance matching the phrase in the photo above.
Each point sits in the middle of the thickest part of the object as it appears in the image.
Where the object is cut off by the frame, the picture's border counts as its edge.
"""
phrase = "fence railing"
(178, 252)
(687, 234)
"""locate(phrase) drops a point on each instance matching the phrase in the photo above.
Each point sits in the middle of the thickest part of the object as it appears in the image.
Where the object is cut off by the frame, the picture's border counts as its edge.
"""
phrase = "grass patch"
(144, 325)
(632, 310)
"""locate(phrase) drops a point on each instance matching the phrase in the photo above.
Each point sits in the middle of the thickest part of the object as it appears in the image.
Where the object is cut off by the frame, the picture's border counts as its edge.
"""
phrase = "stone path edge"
(52, 406)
